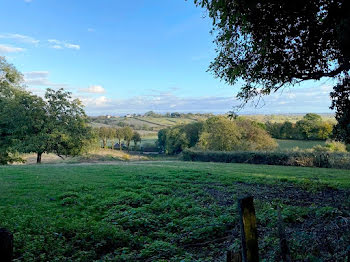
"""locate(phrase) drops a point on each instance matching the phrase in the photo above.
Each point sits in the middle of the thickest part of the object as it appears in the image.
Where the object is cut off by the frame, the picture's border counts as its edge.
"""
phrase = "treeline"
(177, 115)
(31, 124)
(216, 133)
(311, 127)
(123, 135)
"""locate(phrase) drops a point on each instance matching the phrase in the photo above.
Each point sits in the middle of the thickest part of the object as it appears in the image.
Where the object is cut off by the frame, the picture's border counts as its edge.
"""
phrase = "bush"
(331, 146)
(297, 158)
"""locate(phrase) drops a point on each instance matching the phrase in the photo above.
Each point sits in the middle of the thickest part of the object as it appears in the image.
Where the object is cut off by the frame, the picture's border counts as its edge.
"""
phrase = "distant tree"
(325, 130)
(162, 139)
(175, 115)
(308, 127)
(128, 134)
(287, 130)
(136, 137)
(112, 136)
(313, 117)
(104, 134)
(119, 134)
(152, 114)
(220, 134)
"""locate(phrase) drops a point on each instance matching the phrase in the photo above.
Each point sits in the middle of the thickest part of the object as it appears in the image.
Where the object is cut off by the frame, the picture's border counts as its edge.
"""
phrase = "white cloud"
(72, 46)
(57, 47)
(57, 44)
(10, 49)
(40, 78)
(97, 103)
(20, 38)
(94, 89)
(297, 100)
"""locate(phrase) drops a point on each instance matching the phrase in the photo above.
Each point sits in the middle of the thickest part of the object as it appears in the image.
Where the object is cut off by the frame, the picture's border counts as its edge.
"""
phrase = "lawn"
(170, 211)
(284, 144)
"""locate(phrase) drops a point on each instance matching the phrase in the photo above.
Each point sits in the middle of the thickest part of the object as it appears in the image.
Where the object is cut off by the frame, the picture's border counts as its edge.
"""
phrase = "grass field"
(170, 211)
(301, 144)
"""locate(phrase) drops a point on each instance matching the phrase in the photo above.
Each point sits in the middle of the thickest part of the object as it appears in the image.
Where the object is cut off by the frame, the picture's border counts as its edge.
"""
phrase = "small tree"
(112, 135)
(136, 138)
(103, 134)
(128, 134)
(119, 134)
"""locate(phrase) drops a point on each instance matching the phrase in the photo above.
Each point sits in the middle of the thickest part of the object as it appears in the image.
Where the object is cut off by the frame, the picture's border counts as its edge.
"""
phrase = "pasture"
(170, 210)
(284, 144)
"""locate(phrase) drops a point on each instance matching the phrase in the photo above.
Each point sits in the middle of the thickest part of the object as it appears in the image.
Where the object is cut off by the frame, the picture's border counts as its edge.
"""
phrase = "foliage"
(11, 86)
(173, 140)
(216, 133)
(128, 135)
(330, 146)
(315, 158)
(29, 123)
(310, 127)
(106, 133)
(119, 134)
(341, 103)
(136, 137)
(272, 43)
(177, 211)
(57, 125)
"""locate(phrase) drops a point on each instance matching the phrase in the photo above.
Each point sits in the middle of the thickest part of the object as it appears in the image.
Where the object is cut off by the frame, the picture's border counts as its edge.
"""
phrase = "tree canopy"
(29, 123)
(271, 43)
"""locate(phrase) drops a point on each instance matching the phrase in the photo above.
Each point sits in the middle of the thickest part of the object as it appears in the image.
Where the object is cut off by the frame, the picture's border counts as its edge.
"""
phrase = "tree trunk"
(120, 146)
(38, 158)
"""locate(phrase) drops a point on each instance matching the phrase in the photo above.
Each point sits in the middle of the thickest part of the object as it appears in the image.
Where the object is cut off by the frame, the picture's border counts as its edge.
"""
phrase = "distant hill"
(150, 123)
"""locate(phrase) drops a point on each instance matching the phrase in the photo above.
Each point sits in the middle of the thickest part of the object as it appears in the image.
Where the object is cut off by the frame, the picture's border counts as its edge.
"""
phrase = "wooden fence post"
(6, 245)
(285, 253)
(249, 232)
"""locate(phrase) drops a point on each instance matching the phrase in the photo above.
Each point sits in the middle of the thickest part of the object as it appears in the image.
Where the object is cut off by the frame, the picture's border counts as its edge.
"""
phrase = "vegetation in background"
(216, 133)
(316, 157)
(310, 127)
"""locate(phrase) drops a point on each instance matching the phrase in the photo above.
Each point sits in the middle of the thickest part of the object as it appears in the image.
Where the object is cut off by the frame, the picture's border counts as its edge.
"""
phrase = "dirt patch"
(323, 232)
(289, 195)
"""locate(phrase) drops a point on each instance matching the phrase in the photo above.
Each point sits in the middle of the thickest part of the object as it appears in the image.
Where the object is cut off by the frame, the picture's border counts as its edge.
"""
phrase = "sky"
(123, 57)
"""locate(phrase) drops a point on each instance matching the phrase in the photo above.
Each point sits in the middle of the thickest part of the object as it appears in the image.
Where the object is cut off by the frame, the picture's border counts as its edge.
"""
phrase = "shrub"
(331, 146)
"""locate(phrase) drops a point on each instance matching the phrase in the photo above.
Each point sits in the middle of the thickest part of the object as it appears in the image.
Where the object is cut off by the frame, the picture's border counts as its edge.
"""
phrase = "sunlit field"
(170, 211)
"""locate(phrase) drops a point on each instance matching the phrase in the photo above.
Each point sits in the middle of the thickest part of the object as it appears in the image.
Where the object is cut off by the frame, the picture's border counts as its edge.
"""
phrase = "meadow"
(170, 210)
(284, 144)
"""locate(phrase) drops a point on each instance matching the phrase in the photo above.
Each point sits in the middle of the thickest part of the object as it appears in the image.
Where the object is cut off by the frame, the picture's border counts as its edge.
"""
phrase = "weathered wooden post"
(249, 232)
(285, 253)
(6, 245)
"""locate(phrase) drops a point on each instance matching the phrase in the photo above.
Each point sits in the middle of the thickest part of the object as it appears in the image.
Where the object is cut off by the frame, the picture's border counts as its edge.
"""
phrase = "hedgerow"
(298, 158)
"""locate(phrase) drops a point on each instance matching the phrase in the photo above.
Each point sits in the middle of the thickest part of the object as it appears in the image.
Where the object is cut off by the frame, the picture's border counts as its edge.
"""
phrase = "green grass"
(168, 211)
(302, 144)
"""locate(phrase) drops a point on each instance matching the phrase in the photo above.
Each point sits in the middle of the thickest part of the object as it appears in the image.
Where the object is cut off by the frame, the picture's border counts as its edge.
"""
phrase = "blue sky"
(130, 56)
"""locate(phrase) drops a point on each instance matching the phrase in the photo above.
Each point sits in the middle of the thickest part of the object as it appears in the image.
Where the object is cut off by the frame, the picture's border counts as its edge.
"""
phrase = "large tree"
(29, 123)
(272, 44)
(11, 86)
